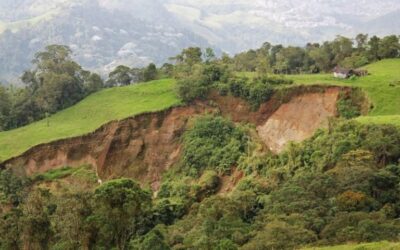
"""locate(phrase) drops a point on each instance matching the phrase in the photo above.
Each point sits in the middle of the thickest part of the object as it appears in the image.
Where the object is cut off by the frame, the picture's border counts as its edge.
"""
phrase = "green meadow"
(89, 114)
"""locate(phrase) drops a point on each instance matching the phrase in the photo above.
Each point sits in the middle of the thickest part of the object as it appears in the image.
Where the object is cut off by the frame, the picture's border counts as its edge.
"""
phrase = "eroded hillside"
(144, 146)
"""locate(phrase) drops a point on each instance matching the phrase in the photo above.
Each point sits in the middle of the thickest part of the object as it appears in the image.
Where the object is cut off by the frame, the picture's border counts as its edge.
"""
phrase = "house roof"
(340, 70)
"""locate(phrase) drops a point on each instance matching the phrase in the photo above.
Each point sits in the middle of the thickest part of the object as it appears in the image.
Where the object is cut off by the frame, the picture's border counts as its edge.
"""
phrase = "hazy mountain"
(102, 34)
(239, 24)
(105, 33)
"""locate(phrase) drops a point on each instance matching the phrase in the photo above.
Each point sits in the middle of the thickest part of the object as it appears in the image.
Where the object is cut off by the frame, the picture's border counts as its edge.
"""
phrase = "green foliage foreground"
(367, 246)
(339, 186)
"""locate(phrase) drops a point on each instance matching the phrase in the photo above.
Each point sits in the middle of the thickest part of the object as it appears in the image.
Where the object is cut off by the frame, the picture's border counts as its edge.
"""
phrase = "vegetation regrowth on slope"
(339, 186)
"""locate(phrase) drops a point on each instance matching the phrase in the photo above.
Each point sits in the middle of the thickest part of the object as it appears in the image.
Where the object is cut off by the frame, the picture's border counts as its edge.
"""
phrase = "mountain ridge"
(104, 33)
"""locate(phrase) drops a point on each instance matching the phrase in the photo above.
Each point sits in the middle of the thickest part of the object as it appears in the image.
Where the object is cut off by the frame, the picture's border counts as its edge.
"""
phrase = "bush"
(199, 79)
(223, 89)
(280, 235)
(255, 92)
(154, 240)
(351, 104)
(275, 80)
(190, 89)
(213, 143)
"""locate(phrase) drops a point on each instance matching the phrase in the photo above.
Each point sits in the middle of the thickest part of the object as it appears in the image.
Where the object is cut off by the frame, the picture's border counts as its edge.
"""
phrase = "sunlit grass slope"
(369, 246)
(89, 114)
(382, 87)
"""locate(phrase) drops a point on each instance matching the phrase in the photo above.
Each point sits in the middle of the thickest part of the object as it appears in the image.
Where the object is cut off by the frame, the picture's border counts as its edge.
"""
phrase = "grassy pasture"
(382, 87)
(89, 114)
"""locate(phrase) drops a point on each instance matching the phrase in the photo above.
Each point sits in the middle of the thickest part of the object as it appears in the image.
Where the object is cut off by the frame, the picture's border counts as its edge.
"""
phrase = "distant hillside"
(105, 33)
(102, 35)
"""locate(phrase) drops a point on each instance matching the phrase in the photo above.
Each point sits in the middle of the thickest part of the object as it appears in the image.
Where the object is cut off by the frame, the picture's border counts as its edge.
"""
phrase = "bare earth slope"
(144, 146)
(298, 119)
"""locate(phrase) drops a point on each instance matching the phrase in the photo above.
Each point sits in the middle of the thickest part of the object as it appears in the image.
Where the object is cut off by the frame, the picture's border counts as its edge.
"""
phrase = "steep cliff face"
(144, 146)
(298, 119)
(141, 147)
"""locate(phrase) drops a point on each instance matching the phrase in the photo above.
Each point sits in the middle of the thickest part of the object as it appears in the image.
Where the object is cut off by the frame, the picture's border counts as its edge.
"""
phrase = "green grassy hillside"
(382, 87)
(369, 246)
(89, 114)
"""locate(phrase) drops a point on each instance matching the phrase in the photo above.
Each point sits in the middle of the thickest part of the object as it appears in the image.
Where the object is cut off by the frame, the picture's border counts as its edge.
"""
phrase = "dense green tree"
(361, 40)
(322, 59)
(246, 61)
(374, 48)
(73, 229)
(5, 108)
(150, 72)
(190, 56)
(93, 83)
(120, 76)
(55, 82)
(167, 70)
(36, 226)
(209, 55)
(11, 187)
(342, 47)
(389, 47)
(213, 143)
(121, 206)
(10, 230)
(154, 240)
(290, 60)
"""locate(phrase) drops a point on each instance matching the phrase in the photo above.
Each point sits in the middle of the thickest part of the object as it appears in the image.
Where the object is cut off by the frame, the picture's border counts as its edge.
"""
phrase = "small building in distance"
(344, 73)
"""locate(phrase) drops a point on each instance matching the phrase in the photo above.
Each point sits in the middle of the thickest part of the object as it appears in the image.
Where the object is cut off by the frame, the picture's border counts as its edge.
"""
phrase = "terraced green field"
(89, 114)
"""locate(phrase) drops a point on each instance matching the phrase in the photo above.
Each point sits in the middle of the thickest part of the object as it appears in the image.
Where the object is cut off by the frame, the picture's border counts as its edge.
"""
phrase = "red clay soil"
(145, 146)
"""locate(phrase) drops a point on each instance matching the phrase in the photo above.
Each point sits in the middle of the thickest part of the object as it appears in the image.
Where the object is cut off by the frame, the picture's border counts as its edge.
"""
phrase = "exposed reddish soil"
(297, 120)
(144, 146)
(229, 182)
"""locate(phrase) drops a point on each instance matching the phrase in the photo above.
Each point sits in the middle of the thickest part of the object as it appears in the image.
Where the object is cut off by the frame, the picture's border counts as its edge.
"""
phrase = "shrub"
(223, 89)
(275, 80)
(352, 104)
(191, 88)
(213, 143)
(256, 92)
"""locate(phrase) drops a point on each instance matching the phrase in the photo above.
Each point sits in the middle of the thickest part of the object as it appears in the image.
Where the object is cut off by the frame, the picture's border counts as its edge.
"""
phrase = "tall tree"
(36, 229)
(373, 48)
(120, 76)
(209, 55)
(389, 47)
(55, 82)
(189, 56)
(121, 206)
(361, 40)
(5, 108)
(150, 72)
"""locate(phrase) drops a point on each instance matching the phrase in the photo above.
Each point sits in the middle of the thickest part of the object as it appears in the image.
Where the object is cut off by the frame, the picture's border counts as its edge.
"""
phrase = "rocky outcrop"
(144, 146)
